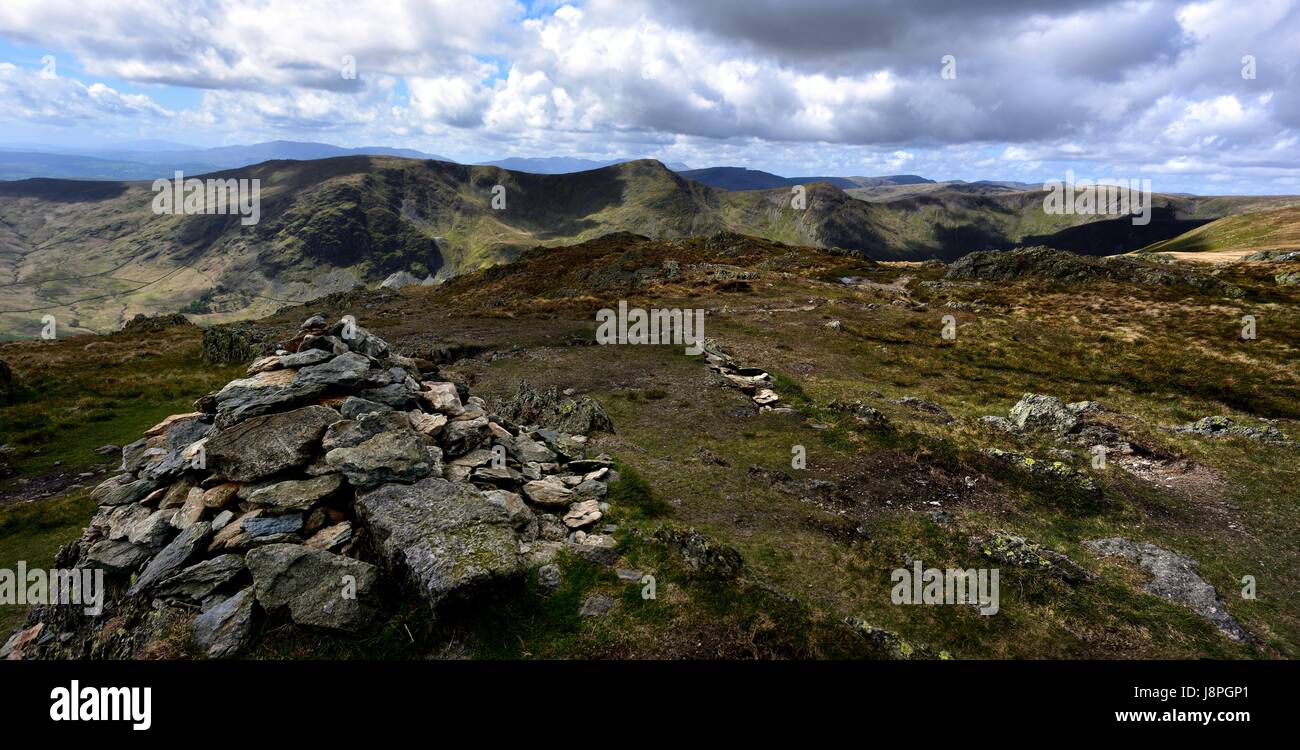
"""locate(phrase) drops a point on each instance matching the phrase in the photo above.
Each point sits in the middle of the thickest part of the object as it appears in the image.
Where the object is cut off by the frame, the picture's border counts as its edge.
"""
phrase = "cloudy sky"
(797, 87)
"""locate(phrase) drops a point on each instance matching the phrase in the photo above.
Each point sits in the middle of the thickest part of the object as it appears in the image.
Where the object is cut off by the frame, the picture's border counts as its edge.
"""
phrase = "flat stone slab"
(446, 538)
(262, 446)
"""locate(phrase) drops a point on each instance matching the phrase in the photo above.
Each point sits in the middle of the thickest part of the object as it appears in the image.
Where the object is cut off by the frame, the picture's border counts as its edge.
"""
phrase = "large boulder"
(1038, 413)
(262, 446)
(318, 588)
(445, 538)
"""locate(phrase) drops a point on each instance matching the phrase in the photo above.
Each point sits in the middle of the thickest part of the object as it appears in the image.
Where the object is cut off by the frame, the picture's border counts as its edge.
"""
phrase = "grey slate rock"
(262, 446)
(345, 370)
(172, 557)
(200, 580)
(315, 586)
(445, 538)
(225, 629)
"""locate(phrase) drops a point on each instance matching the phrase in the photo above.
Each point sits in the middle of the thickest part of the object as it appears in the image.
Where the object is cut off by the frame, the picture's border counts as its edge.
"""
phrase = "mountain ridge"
(96, 255)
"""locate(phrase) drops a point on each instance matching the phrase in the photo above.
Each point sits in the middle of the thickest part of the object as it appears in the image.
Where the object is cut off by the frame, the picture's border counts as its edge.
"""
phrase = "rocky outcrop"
(865, 415)
(1222, 427)
(1174, 577)
(549, 408)
(701, 554)
(1062, 267)
(1053, 479)
(400, 279)
(1038, 413)
(445, 538)
(1010, 549)
(927, 407)
(142, 323)
(317, 489)
(234, 343)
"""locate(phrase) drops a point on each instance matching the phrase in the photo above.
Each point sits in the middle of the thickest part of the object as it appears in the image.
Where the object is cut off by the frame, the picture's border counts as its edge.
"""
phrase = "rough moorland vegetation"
(946, 416)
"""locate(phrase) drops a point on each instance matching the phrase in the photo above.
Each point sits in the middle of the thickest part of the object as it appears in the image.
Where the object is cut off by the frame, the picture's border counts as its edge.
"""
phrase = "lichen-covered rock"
(865, 415)
(318, 588)
(446, 539)
(1010, 549)
(702, 554)
(292, 494)
(1063, 482)
(891, 645)
(233, 344)
(927, 407)
(398, 456)
(1036, 412)
(550, 409)
(1219, 426)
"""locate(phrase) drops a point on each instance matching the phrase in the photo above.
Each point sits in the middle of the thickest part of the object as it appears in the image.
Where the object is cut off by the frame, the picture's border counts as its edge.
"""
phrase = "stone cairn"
(332, 472)
(752, 381)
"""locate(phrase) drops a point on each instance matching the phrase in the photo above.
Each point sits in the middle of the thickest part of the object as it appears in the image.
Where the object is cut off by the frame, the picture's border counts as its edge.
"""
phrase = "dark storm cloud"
(840, 35)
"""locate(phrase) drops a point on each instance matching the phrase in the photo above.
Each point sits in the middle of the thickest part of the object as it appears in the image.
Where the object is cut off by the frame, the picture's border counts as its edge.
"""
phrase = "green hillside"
(1275, 230)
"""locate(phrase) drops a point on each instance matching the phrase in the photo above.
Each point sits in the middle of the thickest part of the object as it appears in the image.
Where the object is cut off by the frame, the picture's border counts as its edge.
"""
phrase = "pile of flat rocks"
(333, 472)
(753, 382)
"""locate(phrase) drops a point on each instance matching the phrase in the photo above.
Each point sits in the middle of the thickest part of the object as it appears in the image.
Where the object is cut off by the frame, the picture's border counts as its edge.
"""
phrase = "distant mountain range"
(95, 253)
(147, 160)
(563, 164)
(739, 178)
(151, 159)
